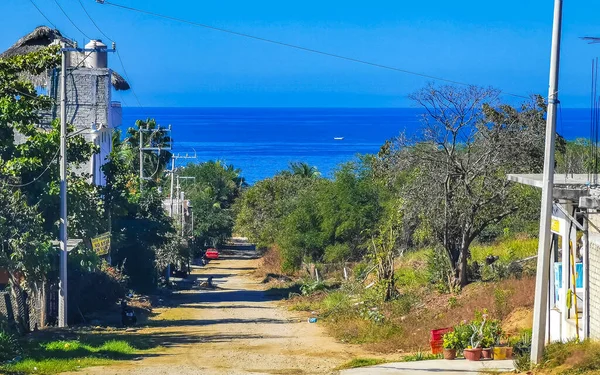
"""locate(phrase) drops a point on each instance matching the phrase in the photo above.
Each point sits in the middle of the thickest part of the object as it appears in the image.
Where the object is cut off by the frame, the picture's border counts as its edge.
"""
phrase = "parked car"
(211, 254)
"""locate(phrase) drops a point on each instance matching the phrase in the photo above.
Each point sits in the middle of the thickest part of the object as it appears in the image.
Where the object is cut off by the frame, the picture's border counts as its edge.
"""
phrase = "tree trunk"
(463, 260)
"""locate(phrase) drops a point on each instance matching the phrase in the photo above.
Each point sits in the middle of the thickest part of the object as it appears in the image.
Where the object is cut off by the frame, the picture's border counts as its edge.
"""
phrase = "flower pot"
(449, 353)
(486, 353)
(472, 354)
(502, 352)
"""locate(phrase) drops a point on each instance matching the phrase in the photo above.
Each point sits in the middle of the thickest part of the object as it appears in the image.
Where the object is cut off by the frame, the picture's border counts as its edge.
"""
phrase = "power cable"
(40, 175)
(117, 52)
(42, 13)
(94, 22)
(306, 49)
(70, 20)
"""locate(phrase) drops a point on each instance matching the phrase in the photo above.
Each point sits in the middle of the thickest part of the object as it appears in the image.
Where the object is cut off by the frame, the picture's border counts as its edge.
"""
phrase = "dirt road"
(236, 328)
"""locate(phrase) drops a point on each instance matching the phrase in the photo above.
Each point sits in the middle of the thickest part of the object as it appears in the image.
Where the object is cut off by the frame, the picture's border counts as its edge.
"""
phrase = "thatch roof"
(39, 38)
(44, 36)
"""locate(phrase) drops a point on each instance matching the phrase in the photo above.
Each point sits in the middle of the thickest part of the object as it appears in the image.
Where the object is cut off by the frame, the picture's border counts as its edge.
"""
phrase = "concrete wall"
(594, 284)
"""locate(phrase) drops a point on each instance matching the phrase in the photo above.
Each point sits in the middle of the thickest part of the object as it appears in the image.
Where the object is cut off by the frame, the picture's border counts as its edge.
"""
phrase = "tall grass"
(507, 250)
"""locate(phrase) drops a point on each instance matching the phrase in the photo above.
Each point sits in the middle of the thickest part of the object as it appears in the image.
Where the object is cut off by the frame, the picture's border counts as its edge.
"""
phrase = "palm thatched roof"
(42, 37)
(39, 38)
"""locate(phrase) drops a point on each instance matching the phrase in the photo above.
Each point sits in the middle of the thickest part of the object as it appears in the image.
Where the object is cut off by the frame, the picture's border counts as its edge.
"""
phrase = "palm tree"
(304, 170)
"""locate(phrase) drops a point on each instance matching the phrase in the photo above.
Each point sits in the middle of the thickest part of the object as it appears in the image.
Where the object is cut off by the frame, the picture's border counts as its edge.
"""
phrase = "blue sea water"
(263, 141)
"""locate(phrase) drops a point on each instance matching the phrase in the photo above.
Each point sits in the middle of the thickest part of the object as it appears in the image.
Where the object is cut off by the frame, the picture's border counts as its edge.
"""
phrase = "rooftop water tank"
(97, 59)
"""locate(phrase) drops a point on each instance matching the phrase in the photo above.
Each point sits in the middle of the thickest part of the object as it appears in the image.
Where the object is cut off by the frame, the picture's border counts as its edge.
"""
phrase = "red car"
(211, 254)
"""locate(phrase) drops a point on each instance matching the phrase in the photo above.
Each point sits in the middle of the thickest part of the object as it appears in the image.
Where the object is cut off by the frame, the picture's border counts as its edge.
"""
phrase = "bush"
(94, 288)
(310, 287)
(439, 270)
(9, 346)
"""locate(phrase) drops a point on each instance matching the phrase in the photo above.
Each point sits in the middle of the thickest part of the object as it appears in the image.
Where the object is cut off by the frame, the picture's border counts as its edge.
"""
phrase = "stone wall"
(594, 268)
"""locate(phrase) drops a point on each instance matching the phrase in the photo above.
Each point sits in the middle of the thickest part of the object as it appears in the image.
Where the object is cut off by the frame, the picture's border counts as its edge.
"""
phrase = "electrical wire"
(306, 49)
(94, 22)
(117, 52)
(70, 20)
(39, 176)
(42, 13)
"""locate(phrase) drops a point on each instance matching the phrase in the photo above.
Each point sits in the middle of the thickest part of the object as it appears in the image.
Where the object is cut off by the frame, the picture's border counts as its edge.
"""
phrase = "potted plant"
(491, 336)
(473, 351)
(451, 344)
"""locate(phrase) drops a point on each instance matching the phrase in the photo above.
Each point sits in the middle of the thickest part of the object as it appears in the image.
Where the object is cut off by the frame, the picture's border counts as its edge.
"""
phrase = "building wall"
(594, 268)
(89, 105)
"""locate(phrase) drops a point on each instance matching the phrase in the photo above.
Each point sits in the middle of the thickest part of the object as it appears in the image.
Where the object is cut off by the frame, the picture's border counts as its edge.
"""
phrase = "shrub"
(94, 288)
(439, 270)
(310, 287)
(452, 340)
(9, 346)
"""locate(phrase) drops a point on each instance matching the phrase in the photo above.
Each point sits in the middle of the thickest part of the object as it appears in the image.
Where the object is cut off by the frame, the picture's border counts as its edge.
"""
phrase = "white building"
(90, 106)
(574, 282)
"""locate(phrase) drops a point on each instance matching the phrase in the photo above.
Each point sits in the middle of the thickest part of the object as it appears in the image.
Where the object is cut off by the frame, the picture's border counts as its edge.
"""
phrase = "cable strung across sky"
(232, 32)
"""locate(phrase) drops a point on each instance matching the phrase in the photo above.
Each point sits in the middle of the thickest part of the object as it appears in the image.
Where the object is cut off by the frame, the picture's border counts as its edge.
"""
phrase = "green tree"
(212, 192)
(458, 165)
(304, 170)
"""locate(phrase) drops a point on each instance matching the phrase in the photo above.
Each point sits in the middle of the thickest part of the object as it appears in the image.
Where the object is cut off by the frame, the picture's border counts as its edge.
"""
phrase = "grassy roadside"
(355, 314)
(77, 350)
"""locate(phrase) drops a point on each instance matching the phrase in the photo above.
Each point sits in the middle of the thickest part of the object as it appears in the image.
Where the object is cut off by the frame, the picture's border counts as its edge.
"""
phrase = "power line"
(42, 13)
(40, 175)
(117, 51)
(70, 20)
(306, 49)
(94, 22)
(128, 79)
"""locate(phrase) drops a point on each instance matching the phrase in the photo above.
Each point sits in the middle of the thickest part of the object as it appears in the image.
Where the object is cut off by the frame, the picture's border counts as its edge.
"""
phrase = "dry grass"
(406, 328)
(270, 263)
(571, 358)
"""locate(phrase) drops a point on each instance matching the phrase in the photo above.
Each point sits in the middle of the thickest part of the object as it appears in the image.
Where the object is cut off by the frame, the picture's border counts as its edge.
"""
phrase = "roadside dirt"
(235, 328)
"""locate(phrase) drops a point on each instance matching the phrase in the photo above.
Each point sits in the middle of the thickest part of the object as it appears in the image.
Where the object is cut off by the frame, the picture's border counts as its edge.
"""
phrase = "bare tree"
(455, 169)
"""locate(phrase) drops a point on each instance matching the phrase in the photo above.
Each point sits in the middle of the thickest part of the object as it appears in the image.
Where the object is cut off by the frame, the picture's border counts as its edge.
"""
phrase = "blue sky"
(504, 44)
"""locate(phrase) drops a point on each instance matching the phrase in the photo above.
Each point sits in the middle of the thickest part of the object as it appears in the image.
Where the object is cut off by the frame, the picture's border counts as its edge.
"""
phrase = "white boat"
(338, 138)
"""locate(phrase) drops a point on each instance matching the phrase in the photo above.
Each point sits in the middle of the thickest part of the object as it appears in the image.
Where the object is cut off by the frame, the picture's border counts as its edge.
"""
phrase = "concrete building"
(90, 82)
(574, 282)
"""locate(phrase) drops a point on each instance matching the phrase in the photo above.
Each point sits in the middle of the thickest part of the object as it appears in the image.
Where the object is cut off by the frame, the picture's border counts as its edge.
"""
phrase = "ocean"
(263, 141)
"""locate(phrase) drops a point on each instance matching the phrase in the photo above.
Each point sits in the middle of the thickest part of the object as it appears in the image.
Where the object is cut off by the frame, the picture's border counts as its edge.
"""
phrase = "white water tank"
(98, 59)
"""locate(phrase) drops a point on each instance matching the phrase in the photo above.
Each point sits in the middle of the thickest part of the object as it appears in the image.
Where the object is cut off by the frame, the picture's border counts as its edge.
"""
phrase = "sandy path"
(235, 329)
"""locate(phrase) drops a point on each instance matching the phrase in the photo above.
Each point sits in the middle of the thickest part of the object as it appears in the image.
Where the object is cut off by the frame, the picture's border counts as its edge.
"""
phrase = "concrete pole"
(62, 295)
(586, 276)
(543, 260)
(172, 178)
(141, 134)
(182, 214)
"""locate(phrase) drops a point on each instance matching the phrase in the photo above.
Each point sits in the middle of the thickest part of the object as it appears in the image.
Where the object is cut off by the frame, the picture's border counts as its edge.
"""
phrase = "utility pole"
(63, 234)
(540, 308)
(62, 295)
(142, 149)
(173, 158)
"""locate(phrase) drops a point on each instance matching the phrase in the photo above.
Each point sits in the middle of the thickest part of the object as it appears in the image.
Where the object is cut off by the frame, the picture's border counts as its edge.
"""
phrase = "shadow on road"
(207, 322)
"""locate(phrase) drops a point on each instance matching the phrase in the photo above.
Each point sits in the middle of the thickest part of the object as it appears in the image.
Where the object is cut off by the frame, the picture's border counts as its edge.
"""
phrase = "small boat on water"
(338, 138)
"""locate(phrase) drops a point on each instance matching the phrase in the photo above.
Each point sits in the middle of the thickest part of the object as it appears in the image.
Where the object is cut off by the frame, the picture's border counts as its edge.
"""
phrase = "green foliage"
(93, 284)
(361, 362)
(61, 356)
(142, 241)
(213, 191)
(440, 270)
(452, 340)
(420, 356)
(312, 286)
(573, 357)
(522, 352)
(9, 346)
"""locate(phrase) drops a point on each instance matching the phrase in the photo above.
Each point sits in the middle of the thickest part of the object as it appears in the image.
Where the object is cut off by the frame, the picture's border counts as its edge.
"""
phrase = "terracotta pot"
(449, 353)
(486, 353)
(502, 352)
(472, 354)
